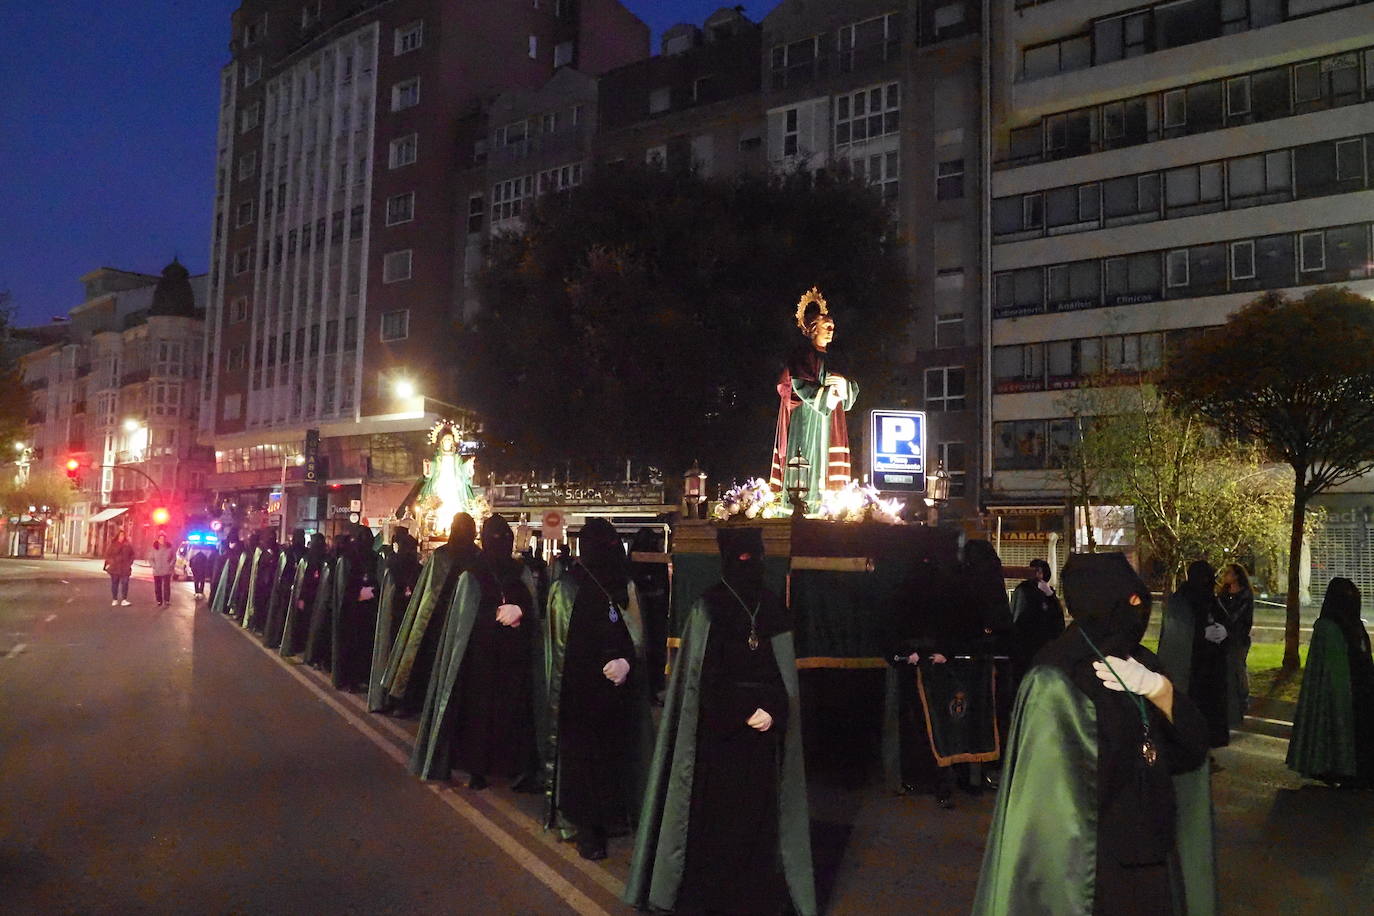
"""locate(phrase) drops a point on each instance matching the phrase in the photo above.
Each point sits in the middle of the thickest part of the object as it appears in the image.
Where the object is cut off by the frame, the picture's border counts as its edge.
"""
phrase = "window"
(236, 358)
(561, 178)
(866, 114)
(507, 198)
(243, 261)
(864, 44)
(1266, 178)
(1175, 108)
(1071, 134)
(404, 150)
(949, 329)
(1242, 260)
(534, 47)
(311, 13)
(1019, 292)
(1070, 360)
(797, 63)
(400, 209)
(1133, 198)
(244, 215)
(1122, 37)
(702, 89)
(1135, 278)
(1072, 206)
(252, 33)
(396, 266)
(1069, 287)
(1032, 211)
(233, 406)
(660, 100)
(252, 71)
(952, 456)
(396, 325)
(1176, 267)
(949, 20)
(548, 122)
(410, 38)
(790, 133)
(476, 212)
(945, 389)
(1018, 368)
(248, 164)
(881, 171)
(238, 310)
(355, 222)
(1193, 189)
(1311, 252)
(405, 94)
(249, 117)
(563, 54)
(1062, 56)
(1350, 160)
(1018, 445)
(1238, 96)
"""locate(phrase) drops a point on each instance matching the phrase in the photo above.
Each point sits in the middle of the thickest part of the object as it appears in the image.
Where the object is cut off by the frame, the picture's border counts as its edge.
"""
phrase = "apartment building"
(336, 261)
(115, 385)
(1153, 168)
(892, 92)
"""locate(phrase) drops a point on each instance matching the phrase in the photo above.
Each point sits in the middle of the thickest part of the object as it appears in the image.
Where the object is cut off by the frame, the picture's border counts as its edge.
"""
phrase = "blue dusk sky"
(107, 132)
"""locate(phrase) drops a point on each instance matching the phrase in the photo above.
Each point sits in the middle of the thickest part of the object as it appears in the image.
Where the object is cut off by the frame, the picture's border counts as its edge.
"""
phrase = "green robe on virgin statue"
(811, 423)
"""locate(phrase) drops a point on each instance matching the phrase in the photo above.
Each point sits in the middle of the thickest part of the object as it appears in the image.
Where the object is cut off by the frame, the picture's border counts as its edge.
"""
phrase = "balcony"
(133, 378)
(570, 142)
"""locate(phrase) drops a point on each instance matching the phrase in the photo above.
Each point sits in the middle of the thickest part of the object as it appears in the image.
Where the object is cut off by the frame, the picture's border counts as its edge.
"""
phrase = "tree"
(1295, 377)
(44, 487)
(646, 315)
(1196, 495)
(14, 398)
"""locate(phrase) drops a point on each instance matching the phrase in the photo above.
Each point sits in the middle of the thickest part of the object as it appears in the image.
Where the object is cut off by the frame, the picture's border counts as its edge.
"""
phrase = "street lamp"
(132, 425)
(404, 388)
(937, 494)
(693, 490)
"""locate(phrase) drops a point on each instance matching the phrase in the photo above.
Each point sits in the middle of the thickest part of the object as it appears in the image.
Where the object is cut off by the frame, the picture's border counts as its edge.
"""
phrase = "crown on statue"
(806, 314)
(437, 431)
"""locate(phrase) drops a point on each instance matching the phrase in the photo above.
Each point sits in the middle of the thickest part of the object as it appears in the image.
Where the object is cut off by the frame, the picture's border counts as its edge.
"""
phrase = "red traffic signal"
(73, 466)
(160, 516)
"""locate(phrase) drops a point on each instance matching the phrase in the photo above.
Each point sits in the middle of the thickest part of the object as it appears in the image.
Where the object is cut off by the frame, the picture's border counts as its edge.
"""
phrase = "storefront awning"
(104, 515)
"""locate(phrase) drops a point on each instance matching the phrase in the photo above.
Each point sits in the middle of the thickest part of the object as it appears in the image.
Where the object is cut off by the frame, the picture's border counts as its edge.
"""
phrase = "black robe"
(263, 569)
(1208, 676)
(1037, 620)
(463, 556)
(595, 717)
(493, 732)
(356, 618)
(293, 641)
(732, 863)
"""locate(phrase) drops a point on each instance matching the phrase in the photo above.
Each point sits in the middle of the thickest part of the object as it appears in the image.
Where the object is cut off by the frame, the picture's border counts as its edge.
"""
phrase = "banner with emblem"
(959, 699)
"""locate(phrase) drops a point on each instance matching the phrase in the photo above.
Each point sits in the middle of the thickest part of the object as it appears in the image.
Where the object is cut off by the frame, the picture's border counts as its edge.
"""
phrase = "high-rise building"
(1153, 168)
(335, 264)
(115, 387)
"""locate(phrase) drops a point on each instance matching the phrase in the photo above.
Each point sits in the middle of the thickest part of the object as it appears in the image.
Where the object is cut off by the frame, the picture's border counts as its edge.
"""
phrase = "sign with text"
(311, 451)
(897, 450)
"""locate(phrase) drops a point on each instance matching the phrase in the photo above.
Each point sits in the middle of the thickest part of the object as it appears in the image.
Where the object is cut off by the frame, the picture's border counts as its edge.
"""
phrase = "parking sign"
(897, 450)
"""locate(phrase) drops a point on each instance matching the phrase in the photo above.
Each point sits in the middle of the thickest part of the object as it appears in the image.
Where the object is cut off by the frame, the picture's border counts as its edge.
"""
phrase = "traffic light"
(160, 516)
(73, 468)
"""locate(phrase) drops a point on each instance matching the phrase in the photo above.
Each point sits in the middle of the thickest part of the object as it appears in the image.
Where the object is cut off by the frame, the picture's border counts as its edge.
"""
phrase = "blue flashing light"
(193, 538)
(211, 539)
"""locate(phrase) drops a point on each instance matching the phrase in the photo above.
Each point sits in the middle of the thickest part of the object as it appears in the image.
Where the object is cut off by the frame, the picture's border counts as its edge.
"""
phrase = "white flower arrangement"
(857, 502)
(751, 499)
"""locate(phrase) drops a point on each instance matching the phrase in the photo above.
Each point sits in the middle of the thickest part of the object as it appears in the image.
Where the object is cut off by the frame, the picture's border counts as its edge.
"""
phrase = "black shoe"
(591, 844)
(944, 800)
(477, 781)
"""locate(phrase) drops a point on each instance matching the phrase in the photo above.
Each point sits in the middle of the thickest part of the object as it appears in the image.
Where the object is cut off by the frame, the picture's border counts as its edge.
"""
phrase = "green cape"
(317, 649)
(276, 605)
(562, 596)
(660, 851)
(219, 602)
(242, 576)
(1323, 742)
(288, 647)
(433, 746)
(1041, 854)
(423, 599)
(253, 614)
(391, 604)
(342, 600)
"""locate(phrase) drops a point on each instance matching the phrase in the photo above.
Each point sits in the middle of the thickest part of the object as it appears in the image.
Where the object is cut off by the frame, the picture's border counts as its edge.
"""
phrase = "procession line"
(508, 844)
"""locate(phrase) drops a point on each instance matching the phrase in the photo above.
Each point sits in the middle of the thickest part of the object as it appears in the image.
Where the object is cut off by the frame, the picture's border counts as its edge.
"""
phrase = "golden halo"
(811, 295)
(437, 431)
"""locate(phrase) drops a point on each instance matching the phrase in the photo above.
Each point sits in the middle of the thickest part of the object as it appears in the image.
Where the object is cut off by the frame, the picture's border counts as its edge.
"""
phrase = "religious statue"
(447, 487)
(811, 415)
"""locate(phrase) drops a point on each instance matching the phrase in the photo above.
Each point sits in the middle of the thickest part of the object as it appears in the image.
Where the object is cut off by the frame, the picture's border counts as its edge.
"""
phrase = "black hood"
(1098, 588)
(741, 560)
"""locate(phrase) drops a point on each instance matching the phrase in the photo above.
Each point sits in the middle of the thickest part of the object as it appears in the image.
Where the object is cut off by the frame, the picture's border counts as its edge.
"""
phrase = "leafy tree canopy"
(647, 315)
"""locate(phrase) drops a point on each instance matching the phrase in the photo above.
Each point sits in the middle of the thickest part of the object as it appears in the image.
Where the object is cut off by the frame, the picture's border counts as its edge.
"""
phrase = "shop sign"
(897, 450)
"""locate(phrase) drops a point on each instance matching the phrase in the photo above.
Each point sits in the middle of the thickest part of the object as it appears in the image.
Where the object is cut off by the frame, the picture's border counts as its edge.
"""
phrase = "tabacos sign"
(897, 450)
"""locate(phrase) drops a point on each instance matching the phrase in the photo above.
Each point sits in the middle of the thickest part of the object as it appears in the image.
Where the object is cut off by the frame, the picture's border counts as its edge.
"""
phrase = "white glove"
(760, 720)
(365, 593)
(938, 659)
(508, 615)
(1214, 633)
(1137, 678)
(616, 670)
(1045, 587)
(913, 658)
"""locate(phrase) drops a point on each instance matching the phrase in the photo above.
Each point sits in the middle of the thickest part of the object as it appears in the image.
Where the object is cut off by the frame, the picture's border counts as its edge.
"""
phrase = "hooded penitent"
(1333, 727)
(305, 584)
(479, 709)
(1196, 663)
(411, 661)
(724, 823)
(401, 572)
(1090, 817)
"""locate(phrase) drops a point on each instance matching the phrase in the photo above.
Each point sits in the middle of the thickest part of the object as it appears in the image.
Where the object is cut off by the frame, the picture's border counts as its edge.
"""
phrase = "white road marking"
(508, 844)
(17, 649)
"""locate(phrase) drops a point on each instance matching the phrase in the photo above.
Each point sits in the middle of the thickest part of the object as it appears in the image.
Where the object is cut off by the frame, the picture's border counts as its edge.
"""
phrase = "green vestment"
(392, 604)
(562, 596)
(224, 585)
(289, 645)
(242, 587)
(1323, 745)
(317, 643)
(660, 852)
(1041, 853)
(424, 598)
(432, 756)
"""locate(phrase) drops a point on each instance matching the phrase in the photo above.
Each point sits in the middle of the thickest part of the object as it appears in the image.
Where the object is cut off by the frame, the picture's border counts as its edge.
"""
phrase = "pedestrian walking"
(1238, 601)
(1192, 647)
(162, 558)
(1105, 805)
(1333, 728)
(119, 563)
(200, 564)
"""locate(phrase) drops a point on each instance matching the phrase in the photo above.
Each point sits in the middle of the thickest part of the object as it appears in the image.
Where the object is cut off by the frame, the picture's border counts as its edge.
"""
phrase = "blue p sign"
(897, 450)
